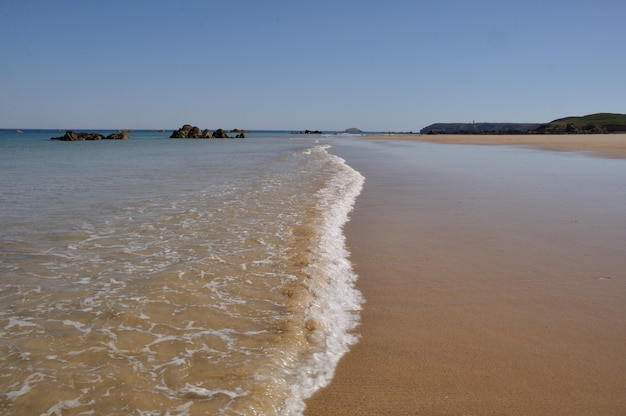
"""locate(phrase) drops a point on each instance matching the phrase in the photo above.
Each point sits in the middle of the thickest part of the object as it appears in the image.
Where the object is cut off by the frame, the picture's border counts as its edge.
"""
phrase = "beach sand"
(605, 145)
(485, 295)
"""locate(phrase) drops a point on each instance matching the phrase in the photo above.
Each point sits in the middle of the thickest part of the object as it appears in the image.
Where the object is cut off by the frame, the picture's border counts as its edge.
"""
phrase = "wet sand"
(605, 145)
(495, 283)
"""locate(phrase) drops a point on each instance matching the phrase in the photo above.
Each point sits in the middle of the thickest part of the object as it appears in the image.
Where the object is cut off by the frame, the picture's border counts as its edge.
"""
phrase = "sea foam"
(333, 315)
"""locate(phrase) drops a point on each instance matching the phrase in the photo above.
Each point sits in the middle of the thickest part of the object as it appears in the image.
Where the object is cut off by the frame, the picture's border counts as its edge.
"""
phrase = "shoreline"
(604, 145)
(482, 296)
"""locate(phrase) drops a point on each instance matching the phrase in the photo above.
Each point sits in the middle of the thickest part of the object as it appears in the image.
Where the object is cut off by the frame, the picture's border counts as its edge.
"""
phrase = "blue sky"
(397, 65)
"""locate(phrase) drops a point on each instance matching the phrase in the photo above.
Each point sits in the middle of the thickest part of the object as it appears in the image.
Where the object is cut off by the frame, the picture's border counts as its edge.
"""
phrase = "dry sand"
(483, 296)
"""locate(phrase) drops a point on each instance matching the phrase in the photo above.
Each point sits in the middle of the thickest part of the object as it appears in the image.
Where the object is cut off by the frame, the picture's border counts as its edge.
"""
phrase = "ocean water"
(162, 276)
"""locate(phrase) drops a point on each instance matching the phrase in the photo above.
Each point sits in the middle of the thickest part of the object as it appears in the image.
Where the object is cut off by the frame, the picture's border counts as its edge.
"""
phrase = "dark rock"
(220, 134)
(195, 132)
(241, 133)
(182, 133)
(67, 137)
(191, 132)
(121, 135)
(71, 136)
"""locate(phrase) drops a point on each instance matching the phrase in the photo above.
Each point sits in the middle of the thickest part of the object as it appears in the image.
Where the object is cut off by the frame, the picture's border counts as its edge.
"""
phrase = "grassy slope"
(599, 119)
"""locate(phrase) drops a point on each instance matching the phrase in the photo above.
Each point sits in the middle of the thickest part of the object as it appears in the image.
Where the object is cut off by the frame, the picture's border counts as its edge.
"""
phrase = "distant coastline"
(599, 123)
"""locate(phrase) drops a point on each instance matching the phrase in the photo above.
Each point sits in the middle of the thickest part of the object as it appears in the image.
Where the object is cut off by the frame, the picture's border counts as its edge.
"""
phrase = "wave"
(333, 313)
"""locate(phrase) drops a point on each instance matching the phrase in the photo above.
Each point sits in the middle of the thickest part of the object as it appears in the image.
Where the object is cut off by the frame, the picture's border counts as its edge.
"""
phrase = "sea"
(158, 276)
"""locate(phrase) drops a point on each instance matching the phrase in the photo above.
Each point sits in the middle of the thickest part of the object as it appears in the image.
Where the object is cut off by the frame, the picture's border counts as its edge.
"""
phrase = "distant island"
(600, 123)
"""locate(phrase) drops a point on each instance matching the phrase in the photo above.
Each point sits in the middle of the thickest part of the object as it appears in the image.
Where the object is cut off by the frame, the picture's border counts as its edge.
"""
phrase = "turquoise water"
(168, 276)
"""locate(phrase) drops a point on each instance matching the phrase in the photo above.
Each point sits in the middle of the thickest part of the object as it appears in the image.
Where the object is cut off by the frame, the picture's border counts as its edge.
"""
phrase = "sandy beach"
(605, 145)
(494, 279)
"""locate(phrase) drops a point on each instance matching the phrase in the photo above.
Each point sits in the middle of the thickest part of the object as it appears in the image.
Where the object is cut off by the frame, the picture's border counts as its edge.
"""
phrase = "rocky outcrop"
(307, 132)
(120, 135)
(241, 134)
(71, 136)
(220, 134)
(193, 132)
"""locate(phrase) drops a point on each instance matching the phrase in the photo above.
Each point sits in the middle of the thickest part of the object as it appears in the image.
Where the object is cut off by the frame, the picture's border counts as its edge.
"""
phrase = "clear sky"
(397, 65)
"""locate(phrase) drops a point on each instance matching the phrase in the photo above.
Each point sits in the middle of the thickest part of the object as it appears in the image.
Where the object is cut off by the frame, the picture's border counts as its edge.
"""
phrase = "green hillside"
(592, 123)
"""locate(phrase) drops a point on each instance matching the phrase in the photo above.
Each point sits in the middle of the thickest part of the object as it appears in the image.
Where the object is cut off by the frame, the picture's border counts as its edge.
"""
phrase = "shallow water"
(161, 276)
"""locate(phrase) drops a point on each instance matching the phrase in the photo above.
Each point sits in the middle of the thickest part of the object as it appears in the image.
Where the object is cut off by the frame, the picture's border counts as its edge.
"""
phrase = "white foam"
(24, 389)
(343, 134)
(80, 327)
(58, 408)
(19, 323)
(201, 392)
(337, 301)
(26, 386)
